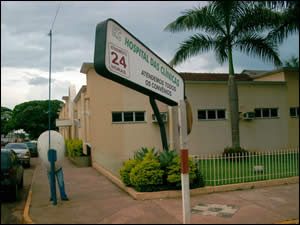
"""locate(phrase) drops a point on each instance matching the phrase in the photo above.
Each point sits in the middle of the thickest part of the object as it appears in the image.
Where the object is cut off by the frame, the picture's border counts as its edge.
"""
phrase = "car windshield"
(16, 146)
(31, 144)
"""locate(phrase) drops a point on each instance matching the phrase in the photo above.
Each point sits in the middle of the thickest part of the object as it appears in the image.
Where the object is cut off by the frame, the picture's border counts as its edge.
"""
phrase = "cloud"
(32, 84)
(38, 81)
(25, 44)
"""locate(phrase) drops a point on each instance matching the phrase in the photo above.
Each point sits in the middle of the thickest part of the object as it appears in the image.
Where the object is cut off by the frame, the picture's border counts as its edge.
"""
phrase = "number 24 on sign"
(116, 57)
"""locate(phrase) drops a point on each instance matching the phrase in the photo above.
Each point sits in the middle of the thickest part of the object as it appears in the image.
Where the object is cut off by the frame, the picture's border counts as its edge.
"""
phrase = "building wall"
(264, 134)
(212, 136)
(81, 123)
(202, 138)
(292, 99)
(112, 144)
(64, 115)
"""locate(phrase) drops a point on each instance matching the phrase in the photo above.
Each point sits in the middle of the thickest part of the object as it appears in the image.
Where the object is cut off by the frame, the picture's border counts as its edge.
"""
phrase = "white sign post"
(121, 57)
(186, 209)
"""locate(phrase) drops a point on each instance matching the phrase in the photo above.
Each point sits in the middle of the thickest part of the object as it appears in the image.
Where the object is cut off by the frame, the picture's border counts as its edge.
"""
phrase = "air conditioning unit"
(249, 115)
(164, 116)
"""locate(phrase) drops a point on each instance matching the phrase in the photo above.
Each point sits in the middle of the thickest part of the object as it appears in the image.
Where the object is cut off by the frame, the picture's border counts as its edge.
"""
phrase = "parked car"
(32, 145)
(3, 143)
(22, 152)
(12, 174)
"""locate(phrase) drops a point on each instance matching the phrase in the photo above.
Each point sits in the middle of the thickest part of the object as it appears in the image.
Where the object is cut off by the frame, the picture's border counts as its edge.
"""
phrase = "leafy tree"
(292, 62)
(228, 25)
(32, 116)
(6, 115)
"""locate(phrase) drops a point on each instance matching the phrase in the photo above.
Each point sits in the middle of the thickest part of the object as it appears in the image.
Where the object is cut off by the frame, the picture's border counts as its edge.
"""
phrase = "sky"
(25, 43)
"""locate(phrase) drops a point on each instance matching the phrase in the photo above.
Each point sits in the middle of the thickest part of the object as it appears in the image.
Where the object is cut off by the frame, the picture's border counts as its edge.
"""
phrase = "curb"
(193, 192)
(289, 222)
(26, 218)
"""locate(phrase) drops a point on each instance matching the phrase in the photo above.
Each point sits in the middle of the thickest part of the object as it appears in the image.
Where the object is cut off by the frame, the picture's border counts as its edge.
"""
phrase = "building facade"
(115, 121)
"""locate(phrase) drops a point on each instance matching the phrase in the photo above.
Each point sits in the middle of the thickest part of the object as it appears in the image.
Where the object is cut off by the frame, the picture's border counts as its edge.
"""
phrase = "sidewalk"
(95, 200)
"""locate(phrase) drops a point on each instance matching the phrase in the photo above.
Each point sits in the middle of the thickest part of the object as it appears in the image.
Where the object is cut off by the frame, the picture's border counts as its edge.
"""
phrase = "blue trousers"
(60, 180)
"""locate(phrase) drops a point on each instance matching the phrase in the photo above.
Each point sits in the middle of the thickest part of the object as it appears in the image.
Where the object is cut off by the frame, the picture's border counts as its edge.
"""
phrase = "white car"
(22, 151)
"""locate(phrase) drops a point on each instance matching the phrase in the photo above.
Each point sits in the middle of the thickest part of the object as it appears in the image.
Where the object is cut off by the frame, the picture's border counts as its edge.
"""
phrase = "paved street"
(12, 211)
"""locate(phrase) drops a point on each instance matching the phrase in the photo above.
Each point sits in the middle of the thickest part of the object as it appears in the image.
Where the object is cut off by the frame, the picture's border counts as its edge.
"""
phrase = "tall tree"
(228, 25)
(32, 116)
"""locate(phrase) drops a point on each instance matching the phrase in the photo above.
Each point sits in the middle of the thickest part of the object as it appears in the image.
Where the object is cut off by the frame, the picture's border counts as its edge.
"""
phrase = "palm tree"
(292, 62)
(289, 23)
(228, 25)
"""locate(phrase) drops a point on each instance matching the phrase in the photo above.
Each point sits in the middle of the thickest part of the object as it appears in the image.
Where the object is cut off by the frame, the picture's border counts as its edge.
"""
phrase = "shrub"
(231, 151)
(74, 147)
(126, 169)
(146, 175)
(166, 157)
(199, 181)
(174, 172)
(141, 153)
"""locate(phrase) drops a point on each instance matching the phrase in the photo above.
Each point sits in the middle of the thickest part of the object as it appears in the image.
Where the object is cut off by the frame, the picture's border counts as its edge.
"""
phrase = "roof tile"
(213, 77)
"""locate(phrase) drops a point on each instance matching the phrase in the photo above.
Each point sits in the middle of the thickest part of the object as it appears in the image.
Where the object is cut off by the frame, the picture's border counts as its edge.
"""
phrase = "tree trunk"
(233, 104)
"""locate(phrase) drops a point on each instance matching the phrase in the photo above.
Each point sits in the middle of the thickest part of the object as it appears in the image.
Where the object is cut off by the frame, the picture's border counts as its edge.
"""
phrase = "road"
(12, 211)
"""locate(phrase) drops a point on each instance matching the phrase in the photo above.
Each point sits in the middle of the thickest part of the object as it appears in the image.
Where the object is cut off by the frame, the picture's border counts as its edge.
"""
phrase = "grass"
(234, 170)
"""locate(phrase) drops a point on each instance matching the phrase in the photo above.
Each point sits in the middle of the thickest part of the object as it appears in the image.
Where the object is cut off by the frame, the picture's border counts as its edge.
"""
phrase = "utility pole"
(49, 113)
(51, 157)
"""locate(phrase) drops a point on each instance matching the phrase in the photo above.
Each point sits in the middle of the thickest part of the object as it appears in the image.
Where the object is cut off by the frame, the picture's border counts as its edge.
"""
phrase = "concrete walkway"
(95, 200)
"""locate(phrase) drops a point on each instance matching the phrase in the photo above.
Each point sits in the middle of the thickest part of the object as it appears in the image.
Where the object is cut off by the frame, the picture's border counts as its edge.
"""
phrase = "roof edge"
(86, 66)
(82, 89)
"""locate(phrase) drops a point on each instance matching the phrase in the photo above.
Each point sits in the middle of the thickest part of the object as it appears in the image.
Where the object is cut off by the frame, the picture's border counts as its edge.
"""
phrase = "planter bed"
(193, 192)
(82, 161)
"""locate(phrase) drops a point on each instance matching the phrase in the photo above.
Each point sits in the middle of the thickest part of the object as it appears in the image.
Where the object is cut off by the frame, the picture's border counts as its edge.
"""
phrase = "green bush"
(141, 153)
(150, 171)
(126, 169)
(166, 157)
(74, 147)
(174, 172)
(146, 175)
(232, 151)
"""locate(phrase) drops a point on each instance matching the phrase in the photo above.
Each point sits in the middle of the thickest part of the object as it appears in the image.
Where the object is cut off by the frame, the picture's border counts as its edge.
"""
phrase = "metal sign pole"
(52, 157)
(184, 163)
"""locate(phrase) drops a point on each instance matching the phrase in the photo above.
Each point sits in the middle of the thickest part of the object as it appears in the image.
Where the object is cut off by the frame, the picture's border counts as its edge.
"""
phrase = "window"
(211, 114)
(221, 114)
(164, 117)
(266, 113)
(117, 117)
(127, 117)
(201, 114)
(140, 116)
(294, 111)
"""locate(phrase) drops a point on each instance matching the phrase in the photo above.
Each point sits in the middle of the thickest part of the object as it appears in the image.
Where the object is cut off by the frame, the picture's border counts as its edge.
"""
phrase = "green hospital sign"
(121, 57)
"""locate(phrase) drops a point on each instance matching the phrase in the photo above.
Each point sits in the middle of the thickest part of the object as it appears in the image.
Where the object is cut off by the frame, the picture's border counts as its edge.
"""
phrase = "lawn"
(255, 167)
